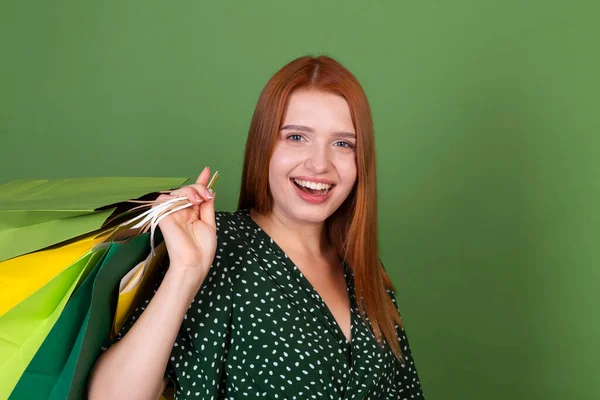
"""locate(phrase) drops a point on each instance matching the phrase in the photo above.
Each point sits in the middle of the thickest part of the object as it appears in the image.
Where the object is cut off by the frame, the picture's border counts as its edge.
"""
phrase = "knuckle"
(198, 187)
(185, 191)
(164, 197)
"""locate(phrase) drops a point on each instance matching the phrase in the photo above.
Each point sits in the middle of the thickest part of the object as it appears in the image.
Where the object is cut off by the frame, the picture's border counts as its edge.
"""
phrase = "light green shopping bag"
(35, 214)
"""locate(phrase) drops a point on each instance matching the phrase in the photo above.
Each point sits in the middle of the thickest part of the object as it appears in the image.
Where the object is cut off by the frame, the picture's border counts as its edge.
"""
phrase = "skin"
(316, 142)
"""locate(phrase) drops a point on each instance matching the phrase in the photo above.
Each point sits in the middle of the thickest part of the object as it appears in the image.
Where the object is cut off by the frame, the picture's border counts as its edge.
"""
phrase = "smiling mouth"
(312, 188)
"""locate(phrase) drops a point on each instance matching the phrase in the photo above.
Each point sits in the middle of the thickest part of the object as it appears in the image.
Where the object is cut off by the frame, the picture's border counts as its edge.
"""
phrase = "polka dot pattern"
(258, 329)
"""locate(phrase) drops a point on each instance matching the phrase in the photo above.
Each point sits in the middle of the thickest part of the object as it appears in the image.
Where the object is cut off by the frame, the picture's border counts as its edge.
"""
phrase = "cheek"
(347, 171)
(282, 163)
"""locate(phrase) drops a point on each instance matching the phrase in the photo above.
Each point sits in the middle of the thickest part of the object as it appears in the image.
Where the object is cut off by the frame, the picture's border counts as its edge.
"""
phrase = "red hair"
(352, 228)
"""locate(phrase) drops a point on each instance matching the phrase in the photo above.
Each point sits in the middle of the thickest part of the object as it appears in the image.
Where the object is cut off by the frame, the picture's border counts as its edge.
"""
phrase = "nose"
(319, 159)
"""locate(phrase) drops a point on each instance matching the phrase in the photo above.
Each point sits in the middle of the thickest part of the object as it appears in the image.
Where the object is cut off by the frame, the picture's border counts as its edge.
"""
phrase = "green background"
(487, 128)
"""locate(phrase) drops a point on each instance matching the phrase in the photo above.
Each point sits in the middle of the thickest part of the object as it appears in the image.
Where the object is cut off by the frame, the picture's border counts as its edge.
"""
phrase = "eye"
(344, 144)
(295, 138)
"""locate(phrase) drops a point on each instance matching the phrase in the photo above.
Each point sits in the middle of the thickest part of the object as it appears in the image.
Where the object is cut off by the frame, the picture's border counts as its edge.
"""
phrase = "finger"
(189, 193)
(204, 176)
(164, 197)
(203, 191)
(195, 193)
(207, 213)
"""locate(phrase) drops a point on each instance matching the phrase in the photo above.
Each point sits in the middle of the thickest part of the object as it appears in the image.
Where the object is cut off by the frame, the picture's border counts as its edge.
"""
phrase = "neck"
(299, 237)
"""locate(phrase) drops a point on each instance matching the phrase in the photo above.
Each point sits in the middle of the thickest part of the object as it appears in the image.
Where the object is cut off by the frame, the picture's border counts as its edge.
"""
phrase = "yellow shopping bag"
(22, 276)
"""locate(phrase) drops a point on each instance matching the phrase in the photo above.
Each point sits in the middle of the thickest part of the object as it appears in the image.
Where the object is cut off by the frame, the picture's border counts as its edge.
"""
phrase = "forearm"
(134, 367)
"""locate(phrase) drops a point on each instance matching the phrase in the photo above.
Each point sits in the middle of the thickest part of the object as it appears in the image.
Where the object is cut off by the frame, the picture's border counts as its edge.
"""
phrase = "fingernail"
(198, 198)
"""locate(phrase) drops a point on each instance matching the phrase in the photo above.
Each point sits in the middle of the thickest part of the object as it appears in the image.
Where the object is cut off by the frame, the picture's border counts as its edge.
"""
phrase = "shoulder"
(232, 224)
(241, 244)
(234, 232)
(223, 221)
(231, 218)
(233, 228)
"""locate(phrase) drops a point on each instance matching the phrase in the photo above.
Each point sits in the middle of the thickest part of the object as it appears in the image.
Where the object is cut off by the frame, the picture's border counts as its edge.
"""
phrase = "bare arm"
(134, 367)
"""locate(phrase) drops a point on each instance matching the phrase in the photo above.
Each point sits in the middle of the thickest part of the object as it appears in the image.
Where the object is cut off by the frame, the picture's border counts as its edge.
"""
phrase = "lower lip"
(310, 198)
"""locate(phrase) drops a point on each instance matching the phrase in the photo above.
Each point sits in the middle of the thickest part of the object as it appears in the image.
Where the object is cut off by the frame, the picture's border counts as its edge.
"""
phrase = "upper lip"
(315, 180)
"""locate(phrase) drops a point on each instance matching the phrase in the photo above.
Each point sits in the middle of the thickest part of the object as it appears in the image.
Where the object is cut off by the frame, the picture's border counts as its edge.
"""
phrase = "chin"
(312, 213)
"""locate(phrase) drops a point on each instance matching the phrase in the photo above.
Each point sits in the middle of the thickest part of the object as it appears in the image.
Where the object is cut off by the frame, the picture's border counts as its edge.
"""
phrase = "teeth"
(313, 185)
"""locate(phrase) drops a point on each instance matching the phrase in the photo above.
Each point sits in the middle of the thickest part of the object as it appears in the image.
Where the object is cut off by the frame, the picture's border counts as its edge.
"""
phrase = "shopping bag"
(132, 284)
(96, 328)
(71, 342)
(40, 379)
(35, 214)
(24, 327)
(22, 276)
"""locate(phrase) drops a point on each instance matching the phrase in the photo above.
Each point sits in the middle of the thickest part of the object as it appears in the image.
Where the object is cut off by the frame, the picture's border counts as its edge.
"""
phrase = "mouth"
(312, 188)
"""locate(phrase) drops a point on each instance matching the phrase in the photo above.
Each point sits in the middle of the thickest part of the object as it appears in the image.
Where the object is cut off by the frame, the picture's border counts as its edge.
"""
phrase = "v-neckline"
(322, 304)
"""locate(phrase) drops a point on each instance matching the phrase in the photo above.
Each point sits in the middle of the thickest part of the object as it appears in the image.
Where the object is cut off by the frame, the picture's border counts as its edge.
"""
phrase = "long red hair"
(352, 229)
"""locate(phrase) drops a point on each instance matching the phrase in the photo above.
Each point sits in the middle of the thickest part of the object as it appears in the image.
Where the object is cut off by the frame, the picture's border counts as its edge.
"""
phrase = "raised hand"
(190, 234)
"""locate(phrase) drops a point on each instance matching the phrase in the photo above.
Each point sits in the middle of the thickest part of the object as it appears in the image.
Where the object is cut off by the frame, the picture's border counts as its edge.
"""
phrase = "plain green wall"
(487, 132)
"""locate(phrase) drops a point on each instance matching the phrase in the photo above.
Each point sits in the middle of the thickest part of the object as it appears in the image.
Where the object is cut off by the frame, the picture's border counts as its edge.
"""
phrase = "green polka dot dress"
(258, 329)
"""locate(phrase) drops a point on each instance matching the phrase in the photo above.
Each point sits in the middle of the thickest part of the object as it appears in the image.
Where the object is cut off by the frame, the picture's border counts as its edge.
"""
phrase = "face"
(313, 168)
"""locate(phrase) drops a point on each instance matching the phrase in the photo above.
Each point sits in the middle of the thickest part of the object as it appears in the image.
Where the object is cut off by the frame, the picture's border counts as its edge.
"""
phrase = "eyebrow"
(303, 128)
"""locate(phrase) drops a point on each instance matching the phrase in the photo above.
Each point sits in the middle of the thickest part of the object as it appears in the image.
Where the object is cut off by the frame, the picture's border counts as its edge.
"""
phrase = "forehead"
(318, 110)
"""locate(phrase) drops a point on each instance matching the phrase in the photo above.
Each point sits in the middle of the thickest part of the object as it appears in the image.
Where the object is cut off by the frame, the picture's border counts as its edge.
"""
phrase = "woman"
(286, 297)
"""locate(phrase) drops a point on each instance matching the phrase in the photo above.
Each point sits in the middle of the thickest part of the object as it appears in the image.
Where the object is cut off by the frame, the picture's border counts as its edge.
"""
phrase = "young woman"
(285, 298)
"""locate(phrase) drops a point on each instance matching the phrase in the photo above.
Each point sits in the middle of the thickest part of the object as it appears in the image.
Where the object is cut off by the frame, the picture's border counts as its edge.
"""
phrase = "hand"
(190, 234)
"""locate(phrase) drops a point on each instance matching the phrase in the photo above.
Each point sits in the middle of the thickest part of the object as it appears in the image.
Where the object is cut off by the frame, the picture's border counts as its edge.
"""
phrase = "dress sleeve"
(196, 363)
(407, 377)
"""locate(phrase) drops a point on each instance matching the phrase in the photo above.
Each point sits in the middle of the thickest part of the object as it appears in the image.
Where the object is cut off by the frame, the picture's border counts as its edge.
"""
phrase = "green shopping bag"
(97, 327)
